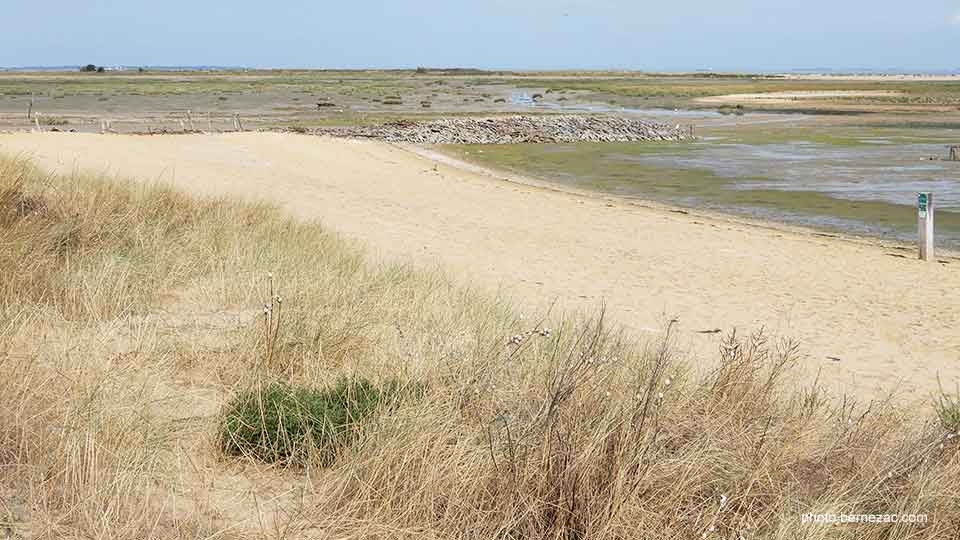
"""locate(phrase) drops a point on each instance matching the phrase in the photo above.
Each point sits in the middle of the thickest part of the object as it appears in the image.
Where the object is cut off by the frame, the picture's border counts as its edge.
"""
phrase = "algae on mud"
(691, 175)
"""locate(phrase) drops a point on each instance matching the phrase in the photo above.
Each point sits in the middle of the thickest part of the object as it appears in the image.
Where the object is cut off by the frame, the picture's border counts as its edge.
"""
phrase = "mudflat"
(869, 318)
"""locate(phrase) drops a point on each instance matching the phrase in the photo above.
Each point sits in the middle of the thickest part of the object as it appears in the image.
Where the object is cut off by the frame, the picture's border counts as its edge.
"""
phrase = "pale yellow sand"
(892, 322)
(782, 98)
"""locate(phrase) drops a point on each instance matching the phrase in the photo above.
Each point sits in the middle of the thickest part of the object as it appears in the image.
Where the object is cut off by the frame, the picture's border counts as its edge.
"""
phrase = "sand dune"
(866, 318)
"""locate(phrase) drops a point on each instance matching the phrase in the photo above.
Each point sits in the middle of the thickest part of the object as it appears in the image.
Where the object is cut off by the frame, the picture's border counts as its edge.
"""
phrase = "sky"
(668, 35)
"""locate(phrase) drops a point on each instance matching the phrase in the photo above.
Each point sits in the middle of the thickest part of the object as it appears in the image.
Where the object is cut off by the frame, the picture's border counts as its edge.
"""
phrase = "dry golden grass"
(131, 314)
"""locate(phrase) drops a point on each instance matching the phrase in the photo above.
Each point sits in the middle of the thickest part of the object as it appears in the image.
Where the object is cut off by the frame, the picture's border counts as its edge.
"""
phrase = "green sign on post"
(925, 208)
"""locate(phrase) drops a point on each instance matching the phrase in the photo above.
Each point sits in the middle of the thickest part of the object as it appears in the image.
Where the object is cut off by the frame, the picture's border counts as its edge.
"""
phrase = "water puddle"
(526, 100)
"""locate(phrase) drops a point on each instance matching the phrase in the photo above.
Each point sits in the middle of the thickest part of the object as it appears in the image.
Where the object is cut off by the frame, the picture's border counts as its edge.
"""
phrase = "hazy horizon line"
(767, 71)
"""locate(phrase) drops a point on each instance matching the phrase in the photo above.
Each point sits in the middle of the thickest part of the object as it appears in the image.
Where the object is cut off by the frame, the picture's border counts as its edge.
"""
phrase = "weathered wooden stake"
(954, 153)
(30, 108)
(190, 120)
(237, 123)
(36, 120)
(925, 224)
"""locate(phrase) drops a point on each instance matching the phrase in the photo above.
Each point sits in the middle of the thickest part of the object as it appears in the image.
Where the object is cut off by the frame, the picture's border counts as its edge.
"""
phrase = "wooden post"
(954, 153)
(30, 108)
(925, 224)
(36, 120)
(190, 120)
(237, 123)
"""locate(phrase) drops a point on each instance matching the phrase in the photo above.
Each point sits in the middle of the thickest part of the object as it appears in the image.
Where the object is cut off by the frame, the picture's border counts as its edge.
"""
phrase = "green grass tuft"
(282, 423)
(948, 410)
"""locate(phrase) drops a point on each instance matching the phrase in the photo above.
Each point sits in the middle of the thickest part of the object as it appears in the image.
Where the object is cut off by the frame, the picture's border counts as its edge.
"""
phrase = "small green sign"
(922, 203)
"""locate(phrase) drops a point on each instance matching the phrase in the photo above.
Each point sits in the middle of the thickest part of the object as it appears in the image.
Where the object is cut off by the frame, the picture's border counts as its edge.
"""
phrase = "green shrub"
(948, 410)
(282, 423)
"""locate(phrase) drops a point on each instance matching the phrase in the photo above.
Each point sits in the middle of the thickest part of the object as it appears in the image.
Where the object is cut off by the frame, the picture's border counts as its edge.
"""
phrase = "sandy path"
(891, 321)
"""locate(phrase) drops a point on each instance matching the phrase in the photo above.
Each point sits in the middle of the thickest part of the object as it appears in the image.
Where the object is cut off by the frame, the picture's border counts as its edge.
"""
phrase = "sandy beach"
(786, 98)
(868, 317)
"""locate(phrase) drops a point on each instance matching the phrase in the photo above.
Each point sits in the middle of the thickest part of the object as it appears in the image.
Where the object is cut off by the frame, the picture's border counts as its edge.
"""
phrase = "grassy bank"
(176, 367)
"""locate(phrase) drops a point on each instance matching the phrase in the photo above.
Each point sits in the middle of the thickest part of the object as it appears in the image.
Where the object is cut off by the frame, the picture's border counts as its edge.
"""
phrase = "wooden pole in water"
(30, 108)
(925, 224)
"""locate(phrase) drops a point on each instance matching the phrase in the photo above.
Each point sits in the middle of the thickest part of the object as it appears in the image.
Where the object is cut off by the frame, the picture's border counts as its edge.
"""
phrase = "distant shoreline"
(837, 74)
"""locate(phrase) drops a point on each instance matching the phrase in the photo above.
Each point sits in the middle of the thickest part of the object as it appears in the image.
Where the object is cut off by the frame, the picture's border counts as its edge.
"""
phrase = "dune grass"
(133, 316)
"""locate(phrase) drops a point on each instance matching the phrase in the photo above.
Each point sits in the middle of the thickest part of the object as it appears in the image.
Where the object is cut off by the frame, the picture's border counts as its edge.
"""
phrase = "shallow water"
(782, 167)
(526, 100)
(883, 173)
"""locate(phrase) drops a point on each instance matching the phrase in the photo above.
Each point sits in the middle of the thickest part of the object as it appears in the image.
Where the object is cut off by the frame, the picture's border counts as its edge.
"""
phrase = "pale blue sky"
(663, 35)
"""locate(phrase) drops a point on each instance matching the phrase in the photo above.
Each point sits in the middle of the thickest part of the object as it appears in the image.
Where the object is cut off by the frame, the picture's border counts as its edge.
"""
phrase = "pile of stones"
(517, 129)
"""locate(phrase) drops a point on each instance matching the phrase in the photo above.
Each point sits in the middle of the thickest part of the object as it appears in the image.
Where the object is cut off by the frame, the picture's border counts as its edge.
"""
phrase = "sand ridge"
(867, 319)
(788, 97)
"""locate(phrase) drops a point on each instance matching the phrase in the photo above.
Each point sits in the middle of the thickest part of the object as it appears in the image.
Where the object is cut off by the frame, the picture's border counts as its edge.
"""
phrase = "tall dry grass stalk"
(130, 313)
